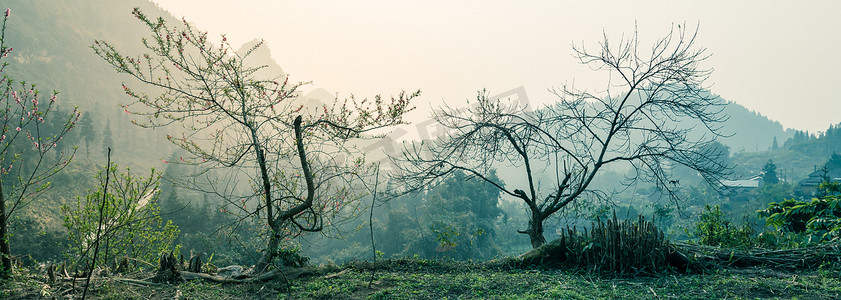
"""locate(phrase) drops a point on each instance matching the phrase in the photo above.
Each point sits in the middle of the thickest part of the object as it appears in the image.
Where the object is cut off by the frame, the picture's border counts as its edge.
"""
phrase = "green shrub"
(714, 229)
(818, 218)
(291, 256)
(779, 239)
(131, 225)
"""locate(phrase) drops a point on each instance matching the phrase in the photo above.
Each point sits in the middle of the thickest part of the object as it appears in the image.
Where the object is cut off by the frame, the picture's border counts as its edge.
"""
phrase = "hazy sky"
(780, 58)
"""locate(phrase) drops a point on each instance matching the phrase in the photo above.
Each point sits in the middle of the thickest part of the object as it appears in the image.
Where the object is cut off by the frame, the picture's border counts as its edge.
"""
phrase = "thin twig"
(371, 224)
(99, 226)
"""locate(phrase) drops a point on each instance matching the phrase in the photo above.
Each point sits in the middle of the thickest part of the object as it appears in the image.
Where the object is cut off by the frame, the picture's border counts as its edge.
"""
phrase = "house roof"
(745, 183)
(815, 178)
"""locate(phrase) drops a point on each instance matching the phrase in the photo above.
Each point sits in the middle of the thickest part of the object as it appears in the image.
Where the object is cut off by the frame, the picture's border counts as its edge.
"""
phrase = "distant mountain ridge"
(51, 41)
(751, 131)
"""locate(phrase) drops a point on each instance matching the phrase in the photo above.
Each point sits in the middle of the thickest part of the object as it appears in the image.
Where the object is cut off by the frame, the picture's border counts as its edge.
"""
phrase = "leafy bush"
(291, 257)
(819, 218)
(131, 224)
(714, 229)
(780, 239)
(33, 237)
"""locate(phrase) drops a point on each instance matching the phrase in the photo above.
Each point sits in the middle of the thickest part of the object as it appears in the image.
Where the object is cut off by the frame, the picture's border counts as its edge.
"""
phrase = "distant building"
(741, 189)
(808, 187)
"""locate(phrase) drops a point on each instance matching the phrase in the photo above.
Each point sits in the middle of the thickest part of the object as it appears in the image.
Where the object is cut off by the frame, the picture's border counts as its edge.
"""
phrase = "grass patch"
(433, 279)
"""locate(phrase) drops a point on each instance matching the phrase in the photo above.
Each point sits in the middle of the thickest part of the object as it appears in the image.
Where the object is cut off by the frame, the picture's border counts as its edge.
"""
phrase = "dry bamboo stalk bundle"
(629, 247)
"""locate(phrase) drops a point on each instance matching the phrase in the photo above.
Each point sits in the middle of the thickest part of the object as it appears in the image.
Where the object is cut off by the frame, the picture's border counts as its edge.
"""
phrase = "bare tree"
(655, 98)
(235, 119)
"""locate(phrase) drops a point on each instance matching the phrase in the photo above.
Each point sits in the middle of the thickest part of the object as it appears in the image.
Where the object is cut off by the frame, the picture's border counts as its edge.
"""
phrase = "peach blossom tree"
(232, 116)
(28, 153)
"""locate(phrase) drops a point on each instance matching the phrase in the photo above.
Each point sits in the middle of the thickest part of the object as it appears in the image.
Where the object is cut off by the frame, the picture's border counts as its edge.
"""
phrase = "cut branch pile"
(171, 271)
(709, 257)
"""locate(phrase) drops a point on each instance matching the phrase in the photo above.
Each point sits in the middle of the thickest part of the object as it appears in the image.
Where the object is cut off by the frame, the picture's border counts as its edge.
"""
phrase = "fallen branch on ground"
(709, 257)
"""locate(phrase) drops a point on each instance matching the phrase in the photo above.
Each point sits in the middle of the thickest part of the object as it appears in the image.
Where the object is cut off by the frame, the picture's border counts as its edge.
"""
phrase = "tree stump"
(51, 273)
(122, 265)
(195, 264)
(169, 270)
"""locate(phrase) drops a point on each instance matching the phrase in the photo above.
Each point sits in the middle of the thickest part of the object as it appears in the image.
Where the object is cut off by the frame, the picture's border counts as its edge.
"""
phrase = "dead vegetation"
(625, 248)
(710, 258)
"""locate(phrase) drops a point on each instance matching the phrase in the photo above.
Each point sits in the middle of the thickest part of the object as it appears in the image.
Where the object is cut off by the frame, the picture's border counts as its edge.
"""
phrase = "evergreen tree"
(834, 161)
(87, 132)
(774, 145)
(770, 173)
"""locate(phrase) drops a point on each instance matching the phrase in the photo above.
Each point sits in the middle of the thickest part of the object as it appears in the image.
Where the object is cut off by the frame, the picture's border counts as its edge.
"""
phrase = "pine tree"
(770, 173)
(87, 132)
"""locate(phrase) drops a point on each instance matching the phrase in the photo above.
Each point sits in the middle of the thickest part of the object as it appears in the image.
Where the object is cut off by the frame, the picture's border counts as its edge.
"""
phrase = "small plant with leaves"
(131, 221)
(713, 229)
(290, 256)
(446, 236)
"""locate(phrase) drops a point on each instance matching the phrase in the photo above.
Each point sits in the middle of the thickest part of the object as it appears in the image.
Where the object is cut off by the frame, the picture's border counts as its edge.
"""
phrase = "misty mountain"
(262, 57)
(750, 131)
(51, 41)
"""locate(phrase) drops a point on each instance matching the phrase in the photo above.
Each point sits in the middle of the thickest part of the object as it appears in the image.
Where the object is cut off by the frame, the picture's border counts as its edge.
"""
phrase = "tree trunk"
(269, 252)
(5, 251)
(283, 216)
(268, 255)
(535, 231)
(552, 252)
